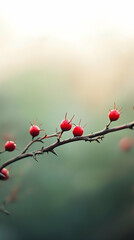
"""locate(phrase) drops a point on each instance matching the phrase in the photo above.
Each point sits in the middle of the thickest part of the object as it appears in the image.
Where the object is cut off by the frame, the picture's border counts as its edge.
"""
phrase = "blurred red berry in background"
(126, 144)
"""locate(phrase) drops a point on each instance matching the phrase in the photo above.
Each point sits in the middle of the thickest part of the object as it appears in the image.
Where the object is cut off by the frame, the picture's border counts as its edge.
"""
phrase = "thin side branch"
(39, 139)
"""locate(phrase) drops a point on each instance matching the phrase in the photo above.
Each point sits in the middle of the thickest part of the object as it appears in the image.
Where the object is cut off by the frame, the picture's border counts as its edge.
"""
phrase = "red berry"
(114, 115)
(10, 146)
(5, 172)
(34, 130)
(77, 131)
(66, 125)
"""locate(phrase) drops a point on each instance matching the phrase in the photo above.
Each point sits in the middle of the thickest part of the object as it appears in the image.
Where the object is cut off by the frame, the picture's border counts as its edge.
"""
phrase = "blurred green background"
(87, 193)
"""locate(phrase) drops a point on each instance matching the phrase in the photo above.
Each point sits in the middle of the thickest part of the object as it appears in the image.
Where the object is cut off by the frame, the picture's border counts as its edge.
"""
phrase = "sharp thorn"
(52, 151)
(35, 158)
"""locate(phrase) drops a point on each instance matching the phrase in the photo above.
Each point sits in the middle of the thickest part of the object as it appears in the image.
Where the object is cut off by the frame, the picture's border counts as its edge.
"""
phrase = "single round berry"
(5, 172)
(114, 115)
(77, 131)
(34, 130)
(10, 146)
(66, 125)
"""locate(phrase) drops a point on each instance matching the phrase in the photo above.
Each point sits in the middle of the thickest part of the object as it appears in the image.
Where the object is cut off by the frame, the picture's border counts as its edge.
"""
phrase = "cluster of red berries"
(65, 125)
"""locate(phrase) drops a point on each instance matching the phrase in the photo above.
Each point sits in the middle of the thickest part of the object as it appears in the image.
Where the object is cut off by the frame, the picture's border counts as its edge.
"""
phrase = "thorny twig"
(97, 136)
(40, 139)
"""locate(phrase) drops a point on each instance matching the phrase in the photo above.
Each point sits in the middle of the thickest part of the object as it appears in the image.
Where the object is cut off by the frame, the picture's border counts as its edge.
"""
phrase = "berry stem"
(107, 126)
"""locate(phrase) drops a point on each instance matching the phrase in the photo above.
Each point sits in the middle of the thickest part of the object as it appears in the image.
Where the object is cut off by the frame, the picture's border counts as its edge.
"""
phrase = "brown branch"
(39, 139)
(97, 136)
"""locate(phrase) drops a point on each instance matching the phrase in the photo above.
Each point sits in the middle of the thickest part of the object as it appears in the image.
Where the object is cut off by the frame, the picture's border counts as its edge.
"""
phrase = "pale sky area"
(92, 39)
(72, 21)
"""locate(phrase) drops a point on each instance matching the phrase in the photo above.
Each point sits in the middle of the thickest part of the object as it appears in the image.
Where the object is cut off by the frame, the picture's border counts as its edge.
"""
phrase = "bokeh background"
(75, 57)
